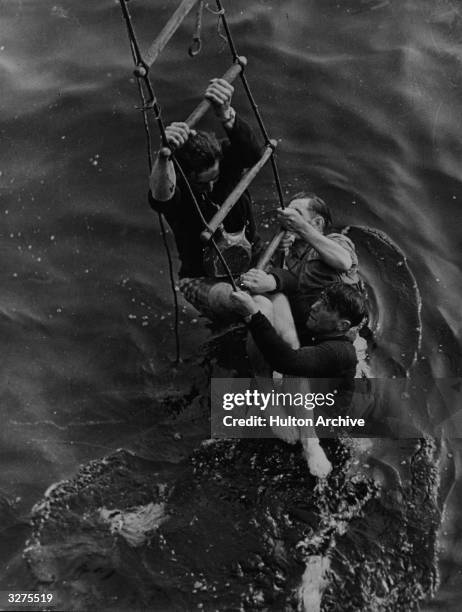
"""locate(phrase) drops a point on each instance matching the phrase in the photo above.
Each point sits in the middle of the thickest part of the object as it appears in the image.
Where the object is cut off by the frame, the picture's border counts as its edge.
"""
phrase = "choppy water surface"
(364, 96)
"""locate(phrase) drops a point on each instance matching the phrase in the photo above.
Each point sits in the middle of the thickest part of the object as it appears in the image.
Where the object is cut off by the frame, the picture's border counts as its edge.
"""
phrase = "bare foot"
(313, 583)
(318, 464)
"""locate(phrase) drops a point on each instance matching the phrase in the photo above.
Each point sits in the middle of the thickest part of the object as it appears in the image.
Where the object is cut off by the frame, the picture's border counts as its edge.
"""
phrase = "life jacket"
(235, 249)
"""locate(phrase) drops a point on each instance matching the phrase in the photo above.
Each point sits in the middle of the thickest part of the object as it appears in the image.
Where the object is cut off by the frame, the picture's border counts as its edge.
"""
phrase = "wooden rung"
(168, 31)
(270, 250)
(236, 193)
(230, 75)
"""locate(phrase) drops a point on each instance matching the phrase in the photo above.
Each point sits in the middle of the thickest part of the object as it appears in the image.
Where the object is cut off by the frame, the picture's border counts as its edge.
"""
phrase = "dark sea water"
(364, 97)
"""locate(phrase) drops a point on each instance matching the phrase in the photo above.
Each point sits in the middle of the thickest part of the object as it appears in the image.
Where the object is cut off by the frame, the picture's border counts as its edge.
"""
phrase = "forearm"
(162, 181)
(244, 144)
(227, 118)
(330, 251)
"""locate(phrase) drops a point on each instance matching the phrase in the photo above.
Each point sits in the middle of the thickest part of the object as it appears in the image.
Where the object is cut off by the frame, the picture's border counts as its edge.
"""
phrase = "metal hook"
(195, 47)
(196, 44)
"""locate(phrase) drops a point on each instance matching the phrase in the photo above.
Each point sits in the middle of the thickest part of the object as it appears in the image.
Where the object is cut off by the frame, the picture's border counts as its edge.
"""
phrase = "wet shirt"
(240, 151)
(307, 275)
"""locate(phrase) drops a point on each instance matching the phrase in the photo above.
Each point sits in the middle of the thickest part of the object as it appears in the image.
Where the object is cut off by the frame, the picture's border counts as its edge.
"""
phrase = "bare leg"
(219, 299)
(283, 320)
(263, 373)
(318, 464)
(276, 309)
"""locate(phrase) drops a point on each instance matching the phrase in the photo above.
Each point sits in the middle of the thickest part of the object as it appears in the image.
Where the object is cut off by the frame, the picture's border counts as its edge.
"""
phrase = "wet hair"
(317, 205)
(199, 153)
(347, 301)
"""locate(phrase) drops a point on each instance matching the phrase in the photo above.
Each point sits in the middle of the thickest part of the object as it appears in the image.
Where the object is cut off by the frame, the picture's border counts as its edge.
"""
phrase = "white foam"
(313, 583)
(135, 524)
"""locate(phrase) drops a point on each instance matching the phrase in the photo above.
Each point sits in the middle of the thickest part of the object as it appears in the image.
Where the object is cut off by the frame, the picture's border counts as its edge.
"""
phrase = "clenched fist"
(177, 134)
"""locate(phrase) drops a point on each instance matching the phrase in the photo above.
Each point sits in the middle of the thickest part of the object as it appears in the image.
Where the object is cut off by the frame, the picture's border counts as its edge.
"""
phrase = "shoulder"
(347, 244)
(342, 240)
(343, 350)
(338, 346)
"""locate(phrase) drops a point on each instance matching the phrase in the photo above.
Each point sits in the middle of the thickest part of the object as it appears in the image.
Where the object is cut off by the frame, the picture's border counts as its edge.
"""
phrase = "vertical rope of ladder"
(139, 64)
(253, 104)
(141, 72)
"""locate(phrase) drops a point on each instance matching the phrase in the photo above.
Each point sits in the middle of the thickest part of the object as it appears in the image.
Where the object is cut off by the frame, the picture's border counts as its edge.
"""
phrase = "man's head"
(314, 210)
(338, 308)
(200, 159)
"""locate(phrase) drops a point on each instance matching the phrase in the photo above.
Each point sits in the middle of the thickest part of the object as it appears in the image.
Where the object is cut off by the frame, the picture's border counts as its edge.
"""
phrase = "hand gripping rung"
(203, 106)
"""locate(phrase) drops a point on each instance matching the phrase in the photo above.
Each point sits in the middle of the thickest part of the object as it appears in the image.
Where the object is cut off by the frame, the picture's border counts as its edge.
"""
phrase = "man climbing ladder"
(234, 249)
(213, 169)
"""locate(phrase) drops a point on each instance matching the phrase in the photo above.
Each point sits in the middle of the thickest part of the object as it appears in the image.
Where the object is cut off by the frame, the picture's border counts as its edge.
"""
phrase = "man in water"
(213, 169)
(316, 259)
(329, 354)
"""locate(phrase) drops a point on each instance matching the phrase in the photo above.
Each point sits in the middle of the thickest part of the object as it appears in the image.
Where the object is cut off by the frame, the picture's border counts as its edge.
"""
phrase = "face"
(323, 320)
(203, 182)
(303, 206)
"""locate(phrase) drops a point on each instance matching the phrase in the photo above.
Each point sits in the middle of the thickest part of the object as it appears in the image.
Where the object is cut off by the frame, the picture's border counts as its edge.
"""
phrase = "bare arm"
(329, 250)
(162, 181)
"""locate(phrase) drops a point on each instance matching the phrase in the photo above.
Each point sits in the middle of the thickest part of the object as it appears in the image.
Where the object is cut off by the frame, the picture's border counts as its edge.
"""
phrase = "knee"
(220, 290)
(219, 297)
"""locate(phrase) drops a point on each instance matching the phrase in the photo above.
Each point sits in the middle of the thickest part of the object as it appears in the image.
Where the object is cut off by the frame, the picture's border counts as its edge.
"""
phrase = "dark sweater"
(239, 152)
(333, 357)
